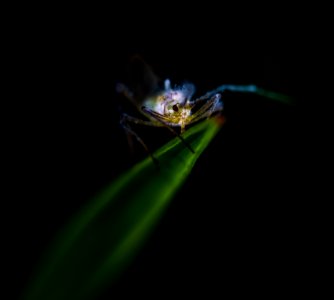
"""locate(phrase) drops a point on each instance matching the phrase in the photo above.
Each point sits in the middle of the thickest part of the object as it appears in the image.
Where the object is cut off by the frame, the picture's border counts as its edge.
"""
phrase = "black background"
(236, 223)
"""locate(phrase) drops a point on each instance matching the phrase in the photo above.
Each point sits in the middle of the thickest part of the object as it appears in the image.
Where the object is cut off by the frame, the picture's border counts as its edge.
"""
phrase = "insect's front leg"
(210, 106)
(160, 120)
(126, 121)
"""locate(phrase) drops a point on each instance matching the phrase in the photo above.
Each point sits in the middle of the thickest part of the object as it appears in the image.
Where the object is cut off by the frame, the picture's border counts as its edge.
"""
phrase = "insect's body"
(173, 107)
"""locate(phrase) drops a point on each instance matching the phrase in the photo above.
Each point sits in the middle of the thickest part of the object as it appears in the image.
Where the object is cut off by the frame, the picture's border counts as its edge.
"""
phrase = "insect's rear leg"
(125, 123)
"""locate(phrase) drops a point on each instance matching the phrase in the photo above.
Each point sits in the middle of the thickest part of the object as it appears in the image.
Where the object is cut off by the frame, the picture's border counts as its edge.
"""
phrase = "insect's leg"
(211, 106)
(247, 89)
(125, 123)
(129, 119)
(163, 123)
(126, 92)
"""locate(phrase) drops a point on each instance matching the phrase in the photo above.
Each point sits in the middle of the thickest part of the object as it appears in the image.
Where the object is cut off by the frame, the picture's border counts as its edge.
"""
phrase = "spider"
(174, 107)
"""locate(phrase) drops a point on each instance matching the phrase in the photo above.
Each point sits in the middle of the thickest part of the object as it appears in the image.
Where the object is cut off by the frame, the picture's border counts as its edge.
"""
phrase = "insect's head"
(175, 100)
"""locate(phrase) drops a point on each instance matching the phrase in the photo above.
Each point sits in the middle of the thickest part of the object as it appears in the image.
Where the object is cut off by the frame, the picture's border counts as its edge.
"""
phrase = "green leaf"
(102, 240)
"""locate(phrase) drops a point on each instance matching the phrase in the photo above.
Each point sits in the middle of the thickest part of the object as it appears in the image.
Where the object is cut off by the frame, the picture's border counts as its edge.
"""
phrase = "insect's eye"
(175, 108)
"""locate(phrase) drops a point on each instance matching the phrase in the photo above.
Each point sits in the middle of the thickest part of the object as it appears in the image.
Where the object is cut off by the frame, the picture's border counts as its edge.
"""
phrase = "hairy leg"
(211, 106)
(126, 120)
(126, 92)
(156, 117)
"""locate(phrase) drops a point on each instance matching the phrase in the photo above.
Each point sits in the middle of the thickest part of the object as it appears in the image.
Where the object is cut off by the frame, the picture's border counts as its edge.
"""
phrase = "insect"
(173, 107)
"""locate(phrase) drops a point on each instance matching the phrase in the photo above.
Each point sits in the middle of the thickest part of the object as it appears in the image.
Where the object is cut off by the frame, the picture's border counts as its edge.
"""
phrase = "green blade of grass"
(104, 237)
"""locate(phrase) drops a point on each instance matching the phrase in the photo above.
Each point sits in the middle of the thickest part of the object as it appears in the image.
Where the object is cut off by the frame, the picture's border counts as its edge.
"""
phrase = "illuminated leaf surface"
(101, 241)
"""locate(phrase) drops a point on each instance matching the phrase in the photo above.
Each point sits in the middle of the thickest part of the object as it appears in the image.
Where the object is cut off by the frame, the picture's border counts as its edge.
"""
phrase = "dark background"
(236, 223)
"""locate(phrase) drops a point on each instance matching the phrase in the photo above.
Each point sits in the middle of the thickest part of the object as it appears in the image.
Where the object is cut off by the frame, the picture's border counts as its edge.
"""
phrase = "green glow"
(275, 96)
(104, 237)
